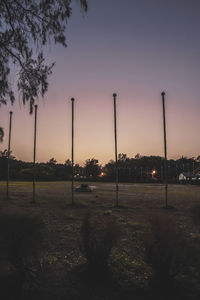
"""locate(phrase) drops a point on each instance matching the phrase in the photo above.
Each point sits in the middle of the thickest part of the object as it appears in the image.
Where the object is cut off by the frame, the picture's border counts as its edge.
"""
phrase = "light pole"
(165, 150)
(116, 159)
(8, 166)
(34, 152)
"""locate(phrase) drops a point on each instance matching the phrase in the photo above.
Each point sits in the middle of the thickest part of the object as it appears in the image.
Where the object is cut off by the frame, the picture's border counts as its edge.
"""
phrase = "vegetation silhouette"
(131, 169)
(97, 238)
(23, 242)
(26, 28)
(167, 269)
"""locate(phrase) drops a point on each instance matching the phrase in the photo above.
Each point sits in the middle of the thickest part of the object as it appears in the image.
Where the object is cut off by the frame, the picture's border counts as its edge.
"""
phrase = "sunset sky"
(136, 48)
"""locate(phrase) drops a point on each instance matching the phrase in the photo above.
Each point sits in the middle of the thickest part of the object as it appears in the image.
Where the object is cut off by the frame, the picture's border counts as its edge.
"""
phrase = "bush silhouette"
(97, 238)
(165, 248)
(196, 215)
(22, 239)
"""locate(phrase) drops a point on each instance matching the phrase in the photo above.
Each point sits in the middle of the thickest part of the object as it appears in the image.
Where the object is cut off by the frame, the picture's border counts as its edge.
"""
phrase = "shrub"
(97, 238)
(164, 247)
(22, 239)
(196, 214)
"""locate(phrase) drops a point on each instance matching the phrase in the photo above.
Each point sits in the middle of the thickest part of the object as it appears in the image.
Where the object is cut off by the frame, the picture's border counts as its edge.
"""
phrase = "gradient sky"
(136, 48)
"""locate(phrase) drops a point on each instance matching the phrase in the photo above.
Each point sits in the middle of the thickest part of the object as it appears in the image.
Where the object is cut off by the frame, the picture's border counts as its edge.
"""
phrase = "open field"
(138, 202)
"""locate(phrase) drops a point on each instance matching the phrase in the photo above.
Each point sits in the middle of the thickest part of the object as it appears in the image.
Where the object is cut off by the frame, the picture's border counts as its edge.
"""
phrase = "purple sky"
(136, 49)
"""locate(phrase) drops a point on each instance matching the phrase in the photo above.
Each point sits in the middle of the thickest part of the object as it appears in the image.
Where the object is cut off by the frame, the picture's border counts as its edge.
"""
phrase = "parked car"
(83, 188)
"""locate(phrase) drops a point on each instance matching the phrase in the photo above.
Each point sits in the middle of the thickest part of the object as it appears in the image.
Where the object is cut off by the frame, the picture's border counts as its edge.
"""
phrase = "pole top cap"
(11, 112)
(72, 99)
(114, 95)
(163, 93)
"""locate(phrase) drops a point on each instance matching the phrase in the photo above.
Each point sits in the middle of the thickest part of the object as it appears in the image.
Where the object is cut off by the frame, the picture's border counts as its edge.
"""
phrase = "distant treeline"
(136, 169)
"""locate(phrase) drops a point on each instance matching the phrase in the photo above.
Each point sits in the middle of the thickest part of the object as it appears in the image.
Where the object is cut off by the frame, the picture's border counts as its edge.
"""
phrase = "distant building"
(185, 176)
(189, 177)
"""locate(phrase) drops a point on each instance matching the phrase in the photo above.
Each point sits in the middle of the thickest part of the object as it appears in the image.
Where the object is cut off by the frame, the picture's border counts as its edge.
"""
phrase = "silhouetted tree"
(92, 168)
(68, 162)
(26, 26)
(122, 157)
(138, 156)
(52, 161)
(68, 166)
(109, 170)
(130, 169)
(4, 154)
(198, 158)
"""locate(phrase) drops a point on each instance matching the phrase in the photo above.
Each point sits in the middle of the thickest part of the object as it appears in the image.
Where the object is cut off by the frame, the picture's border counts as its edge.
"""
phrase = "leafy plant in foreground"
(97, 239)
(22, 240)
(196, 215)
(165, 248)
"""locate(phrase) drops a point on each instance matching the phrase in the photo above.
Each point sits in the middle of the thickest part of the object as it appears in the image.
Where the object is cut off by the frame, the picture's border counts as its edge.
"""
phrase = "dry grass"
(137, 203)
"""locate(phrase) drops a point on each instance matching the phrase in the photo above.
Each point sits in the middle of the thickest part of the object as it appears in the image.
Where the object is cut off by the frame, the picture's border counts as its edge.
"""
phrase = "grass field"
(137, 203)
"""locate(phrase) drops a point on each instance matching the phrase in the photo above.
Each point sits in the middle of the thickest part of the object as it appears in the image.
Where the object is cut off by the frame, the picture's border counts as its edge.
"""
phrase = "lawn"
(63, 260)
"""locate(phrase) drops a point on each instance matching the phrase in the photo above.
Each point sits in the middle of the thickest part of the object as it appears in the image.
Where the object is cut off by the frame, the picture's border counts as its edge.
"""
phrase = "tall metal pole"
(116, 159)
(72, 100)
(165, 150)
(8, 167)
(34, 152)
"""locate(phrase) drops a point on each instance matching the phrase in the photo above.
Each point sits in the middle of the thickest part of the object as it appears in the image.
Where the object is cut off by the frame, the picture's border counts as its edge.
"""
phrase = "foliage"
(4, 154)
(140, 168)
(21, 237)
(92, 168)
(22, 240)
(52, 161)
(130, 169)
(96, 242)
(165, 248)
(25, 24)
(196, 214)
